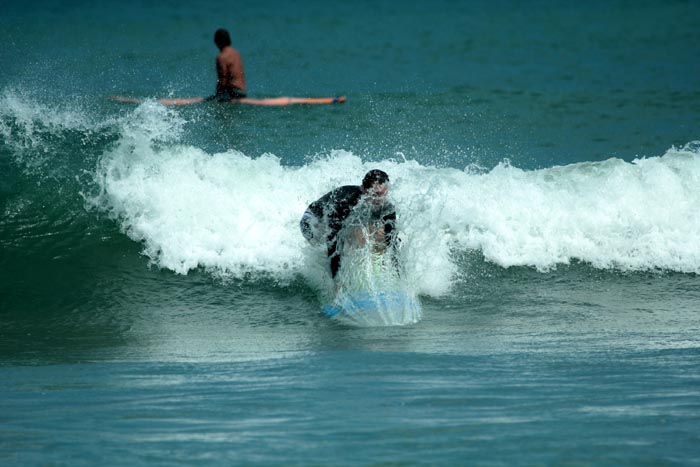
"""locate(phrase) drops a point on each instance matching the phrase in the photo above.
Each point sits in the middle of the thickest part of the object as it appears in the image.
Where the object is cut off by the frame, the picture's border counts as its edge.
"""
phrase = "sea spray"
(371, 287)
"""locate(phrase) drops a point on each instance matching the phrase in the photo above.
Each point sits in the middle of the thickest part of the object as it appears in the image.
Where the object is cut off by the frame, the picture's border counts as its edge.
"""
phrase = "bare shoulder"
(236, 57)
(228, 56)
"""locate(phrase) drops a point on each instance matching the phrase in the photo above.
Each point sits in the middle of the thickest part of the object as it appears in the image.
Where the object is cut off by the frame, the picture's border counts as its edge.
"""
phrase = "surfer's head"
(222, 38)
(376, 185)
(374, 176)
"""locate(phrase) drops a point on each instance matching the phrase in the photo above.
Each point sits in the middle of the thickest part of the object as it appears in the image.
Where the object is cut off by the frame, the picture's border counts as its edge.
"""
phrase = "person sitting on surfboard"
(326, 217)
(230, 83)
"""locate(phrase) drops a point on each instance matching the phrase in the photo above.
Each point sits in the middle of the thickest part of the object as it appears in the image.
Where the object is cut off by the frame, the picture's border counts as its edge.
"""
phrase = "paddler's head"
(222, 38)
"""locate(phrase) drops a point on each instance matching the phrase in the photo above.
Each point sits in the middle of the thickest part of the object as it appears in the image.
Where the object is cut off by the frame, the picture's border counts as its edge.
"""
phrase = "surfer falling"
(360, 216)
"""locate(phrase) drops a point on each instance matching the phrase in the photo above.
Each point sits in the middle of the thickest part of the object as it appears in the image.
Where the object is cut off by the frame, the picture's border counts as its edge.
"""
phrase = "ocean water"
(158, 305)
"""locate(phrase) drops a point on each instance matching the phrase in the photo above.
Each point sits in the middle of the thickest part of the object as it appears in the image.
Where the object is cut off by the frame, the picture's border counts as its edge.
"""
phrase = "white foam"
(613, 214)
(237, 214)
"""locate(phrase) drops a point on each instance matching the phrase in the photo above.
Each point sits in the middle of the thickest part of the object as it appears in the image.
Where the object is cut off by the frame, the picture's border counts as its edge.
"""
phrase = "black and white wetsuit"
(326, 217)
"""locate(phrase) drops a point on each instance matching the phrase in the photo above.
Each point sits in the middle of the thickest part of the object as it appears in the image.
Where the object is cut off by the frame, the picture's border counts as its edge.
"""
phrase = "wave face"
(236, 215)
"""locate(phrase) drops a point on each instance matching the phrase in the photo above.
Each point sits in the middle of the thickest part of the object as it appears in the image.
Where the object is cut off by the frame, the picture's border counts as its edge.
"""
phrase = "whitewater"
(237, 214)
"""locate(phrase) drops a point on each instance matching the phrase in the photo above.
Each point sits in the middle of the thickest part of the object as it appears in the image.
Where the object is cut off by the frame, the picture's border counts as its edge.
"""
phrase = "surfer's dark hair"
(374, 176)
(222, 38)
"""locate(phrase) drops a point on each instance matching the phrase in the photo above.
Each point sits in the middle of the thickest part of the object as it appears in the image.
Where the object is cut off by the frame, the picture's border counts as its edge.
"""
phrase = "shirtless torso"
(230, 74)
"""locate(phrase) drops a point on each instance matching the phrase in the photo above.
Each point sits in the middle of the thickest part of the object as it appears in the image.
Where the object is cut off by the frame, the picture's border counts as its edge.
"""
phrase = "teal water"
(158, 305)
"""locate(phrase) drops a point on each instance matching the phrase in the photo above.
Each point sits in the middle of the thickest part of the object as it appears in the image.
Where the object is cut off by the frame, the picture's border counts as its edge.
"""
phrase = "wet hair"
(374, 176)
(222, 38)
